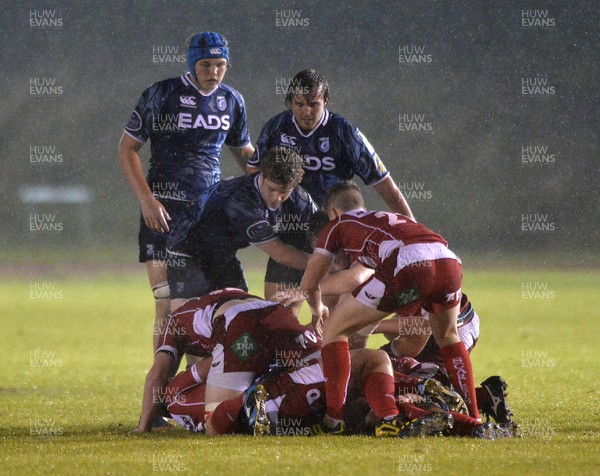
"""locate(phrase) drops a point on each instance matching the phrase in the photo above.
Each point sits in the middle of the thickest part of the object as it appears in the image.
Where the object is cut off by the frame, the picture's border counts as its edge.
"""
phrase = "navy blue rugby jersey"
(187, 130)
(232, 215)
(333, 151)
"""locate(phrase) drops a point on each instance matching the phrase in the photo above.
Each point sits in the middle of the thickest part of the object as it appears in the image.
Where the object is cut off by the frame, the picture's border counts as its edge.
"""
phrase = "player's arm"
(154, 213)
(317, 268)
(346, 280)
(242, 155)
(393, 197)
(156, 380)
(285, 254)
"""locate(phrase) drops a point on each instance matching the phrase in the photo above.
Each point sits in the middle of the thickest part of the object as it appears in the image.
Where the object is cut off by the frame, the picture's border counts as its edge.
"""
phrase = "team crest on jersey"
(187, 101)
(324, 144)
(221, 103)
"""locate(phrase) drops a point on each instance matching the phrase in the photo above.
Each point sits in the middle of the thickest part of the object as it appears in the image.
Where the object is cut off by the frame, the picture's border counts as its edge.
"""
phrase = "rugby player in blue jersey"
(266, 209)
(187, 120)
(333, 150)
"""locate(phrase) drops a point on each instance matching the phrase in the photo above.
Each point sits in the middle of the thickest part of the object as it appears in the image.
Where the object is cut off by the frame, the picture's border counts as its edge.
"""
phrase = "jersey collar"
(322, 122)
(187, 80)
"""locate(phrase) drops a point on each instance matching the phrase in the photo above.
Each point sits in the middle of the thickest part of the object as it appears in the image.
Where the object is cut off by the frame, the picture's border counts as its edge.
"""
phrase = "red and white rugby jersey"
(369, 237)
(189, 327)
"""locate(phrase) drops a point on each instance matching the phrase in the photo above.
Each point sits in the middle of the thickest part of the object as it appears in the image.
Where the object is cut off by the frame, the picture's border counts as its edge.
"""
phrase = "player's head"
(307, 96)
(343, 197)
(208, 59)
(280, 171)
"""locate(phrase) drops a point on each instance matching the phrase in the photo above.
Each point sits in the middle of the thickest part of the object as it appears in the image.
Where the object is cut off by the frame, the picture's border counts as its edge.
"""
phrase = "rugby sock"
(410, 411)
(336, 368)
(458, 364)
(224, 418)
(463, 424)
(379, 392)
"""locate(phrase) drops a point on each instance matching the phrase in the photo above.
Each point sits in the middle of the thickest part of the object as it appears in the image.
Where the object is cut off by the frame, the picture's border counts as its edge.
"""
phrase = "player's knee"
(161, 291)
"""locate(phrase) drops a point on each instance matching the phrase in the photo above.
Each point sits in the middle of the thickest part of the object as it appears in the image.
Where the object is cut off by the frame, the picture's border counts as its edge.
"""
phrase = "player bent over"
(234, 214)
(411, 263)
(242, 333)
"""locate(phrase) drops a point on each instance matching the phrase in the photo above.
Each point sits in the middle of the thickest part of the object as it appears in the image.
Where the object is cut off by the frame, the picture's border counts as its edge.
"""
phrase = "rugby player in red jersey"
(411, 263)
(242, 333)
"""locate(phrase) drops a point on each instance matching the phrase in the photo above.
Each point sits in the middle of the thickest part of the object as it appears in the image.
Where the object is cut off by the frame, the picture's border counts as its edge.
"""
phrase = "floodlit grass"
(75, 351)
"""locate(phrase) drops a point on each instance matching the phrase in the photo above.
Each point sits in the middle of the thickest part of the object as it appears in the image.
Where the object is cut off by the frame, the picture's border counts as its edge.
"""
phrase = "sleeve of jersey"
(365, 161)
(238, 135)
(262, 144)
(140, 122)
(167, 341)
(327, 243)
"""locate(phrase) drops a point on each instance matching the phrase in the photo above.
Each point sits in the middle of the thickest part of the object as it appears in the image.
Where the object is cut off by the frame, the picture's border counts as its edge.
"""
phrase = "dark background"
(470, 93)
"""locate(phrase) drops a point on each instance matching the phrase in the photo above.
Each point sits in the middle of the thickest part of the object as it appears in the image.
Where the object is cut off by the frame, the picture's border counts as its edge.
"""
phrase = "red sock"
(379, 392)
(406, 384)
(458, 364)
(410, 411)
(224, 418)
(463, 424)
(336, 368)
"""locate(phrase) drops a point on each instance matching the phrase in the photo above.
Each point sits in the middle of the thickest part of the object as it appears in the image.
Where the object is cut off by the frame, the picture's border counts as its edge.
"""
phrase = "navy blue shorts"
(194, 277)
(152, 244)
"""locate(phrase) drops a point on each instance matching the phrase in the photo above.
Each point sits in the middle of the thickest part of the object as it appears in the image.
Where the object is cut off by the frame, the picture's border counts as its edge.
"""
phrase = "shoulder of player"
(166, 85)
(301, 198)
(278, 121)
(225, 89)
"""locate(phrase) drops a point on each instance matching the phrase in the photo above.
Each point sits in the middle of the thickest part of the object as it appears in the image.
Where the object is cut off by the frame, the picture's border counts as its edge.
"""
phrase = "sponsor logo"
(215, 51)
(244, 347)
(187, 101)
(210, 121)
(315, 163)
(408, 296)
(288, 140)
(135, 122)
(260, 231)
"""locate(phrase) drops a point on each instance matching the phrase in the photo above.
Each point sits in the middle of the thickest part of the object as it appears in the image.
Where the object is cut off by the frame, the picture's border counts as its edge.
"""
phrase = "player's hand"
(155, 215)
(318, 317)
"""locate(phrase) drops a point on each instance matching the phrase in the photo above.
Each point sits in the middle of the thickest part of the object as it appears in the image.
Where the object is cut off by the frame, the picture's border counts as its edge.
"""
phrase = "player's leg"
(348, 317)
(372, 376)
(157, 276)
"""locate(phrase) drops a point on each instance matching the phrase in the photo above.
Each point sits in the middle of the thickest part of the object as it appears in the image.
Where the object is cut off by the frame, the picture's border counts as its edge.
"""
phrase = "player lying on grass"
(411, 263)
(242, 333)
(293, 403)
(266, 209)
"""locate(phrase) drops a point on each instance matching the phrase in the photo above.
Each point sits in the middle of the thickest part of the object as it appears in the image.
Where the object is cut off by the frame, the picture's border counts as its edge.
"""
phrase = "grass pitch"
(75, 351)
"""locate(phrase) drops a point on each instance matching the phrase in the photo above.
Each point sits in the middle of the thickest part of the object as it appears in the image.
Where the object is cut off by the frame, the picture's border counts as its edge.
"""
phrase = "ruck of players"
(251, 367)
